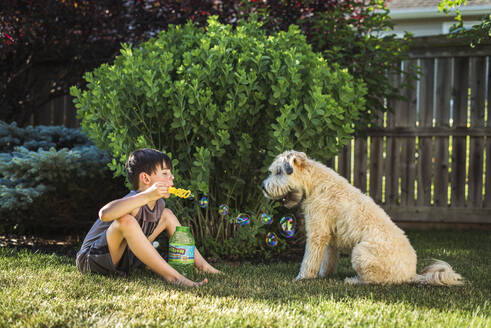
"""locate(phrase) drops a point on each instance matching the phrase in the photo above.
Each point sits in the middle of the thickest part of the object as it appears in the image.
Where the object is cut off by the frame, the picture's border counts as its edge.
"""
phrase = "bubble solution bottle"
(181, 252)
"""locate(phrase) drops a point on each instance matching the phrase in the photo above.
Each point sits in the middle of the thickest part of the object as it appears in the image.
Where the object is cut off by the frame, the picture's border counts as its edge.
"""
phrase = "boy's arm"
(120, 207)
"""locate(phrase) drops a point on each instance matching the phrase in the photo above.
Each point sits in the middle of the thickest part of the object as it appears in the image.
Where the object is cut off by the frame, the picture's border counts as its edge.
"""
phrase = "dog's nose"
(263, 185)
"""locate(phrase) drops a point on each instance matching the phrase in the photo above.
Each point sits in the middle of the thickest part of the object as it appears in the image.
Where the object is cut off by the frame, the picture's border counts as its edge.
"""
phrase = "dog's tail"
(440, 273)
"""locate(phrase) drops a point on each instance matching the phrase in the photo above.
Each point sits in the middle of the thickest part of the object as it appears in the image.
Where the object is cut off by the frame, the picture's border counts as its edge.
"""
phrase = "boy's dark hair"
(145, 160)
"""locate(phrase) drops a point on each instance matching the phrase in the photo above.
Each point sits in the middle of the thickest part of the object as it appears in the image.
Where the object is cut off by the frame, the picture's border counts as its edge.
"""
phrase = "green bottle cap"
(181, 228)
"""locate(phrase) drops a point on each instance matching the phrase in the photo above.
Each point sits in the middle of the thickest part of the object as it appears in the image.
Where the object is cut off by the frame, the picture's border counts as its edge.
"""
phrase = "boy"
(121, 239)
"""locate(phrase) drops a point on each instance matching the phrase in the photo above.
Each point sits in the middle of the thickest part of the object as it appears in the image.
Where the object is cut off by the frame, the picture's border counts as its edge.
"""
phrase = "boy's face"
(162, 174)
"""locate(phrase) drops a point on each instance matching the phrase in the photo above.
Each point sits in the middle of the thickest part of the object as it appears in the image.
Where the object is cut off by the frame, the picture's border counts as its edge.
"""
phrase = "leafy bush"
(354, 34)
(222, 103)
(51, 189)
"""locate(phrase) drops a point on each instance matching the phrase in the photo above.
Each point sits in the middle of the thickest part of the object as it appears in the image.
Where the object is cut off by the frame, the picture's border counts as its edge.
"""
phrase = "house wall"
(428, 21)
(427, 28)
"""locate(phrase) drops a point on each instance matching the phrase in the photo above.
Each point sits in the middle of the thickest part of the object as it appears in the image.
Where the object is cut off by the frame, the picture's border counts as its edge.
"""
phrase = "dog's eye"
(288, 168)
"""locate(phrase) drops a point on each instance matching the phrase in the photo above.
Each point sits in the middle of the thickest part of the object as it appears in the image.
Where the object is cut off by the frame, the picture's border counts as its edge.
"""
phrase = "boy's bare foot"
(209, 269)
(189, 283)
(212, 270)
(201, 283)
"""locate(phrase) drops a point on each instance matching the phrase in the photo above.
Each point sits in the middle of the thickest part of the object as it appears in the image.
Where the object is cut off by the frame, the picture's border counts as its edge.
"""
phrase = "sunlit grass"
(39, 290)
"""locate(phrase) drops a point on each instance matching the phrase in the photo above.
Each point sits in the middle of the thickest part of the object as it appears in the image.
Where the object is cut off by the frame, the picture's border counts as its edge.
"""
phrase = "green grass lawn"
(40, 290)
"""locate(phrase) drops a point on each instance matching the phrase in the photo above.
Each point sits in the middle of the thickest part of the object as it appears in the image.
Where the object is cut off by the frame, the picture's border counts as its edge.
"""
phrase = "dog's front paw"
(304, 276)
(353, 281)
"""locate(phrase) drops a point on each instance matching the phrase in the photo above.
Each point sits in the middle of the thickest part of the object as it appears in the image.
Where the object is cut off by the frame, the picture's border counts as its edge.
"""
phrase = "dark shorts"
(98, 259)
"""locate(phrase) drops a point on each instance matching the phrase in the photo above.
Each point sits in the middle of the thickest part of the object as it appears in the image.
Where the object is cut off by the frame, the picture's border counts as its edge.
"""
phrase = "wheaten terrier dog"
(338, 216)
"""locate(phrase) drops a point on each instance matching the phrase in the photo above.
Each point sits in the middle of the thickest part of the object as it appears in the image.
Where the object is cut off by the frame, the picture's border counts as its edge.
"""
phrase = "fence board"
(330, 163)
(344, 162)
(42, 116)
(400, 155)
(58, 111)
(376, 165)
(425, 118)
(408, 143)
(392, 158)
(70, 113)
(476, 146)
(487, 186)
(442, 119)
(460, 97)
(360, 168)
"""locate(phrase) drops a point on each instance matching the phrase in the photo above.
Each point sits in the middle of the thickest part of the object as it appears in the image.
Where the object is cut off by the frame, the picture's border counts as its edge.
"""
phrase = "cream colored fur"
(338, 216)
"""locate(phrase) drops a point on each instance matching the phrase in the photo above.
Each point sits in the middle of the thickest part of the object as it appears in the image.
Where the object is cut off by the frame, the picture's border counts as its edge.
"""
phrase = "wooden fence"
(60, 111)
(431, 159)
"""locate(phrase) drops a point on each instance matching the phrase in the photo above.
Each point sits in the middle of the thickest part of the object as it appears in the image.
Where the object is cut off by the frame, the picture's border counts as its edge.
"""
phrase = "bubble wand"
(182, 193)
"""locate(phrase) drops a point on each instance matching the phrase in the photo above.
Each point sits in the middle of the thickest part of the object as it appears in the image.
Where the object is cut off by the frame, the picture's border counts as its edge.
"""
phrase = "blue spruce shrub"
(46, 187)
(40, 136)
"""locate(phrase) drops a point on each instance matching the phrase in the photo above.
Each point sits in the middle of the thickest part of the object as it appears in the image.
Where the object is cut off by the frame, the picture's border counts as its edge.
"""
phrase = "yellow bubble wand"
(179, 192)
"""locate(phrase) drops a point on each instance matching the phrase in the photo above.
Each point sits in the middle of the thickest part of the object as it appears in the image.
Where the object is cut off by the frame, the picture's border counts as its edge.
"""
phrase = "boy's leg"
(126, 231)
(169, 222)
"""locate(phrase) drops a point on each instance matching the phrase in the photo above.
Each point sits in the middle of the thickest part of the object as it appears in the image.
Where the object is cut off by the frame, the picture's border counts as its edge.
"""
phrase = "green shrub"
(53, 189)
(222, 103)
(356, 35)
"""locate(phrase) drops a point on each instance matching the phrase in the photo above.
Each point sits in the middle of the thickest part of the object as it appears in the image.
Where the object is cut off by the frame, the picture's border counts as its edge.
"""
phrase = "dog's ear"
(299, 160)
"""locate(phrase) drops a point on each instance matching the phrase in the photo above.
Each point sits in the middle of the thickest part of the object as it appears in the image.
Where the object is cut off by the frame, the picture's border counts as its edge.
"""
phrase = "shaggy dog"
(340, 217)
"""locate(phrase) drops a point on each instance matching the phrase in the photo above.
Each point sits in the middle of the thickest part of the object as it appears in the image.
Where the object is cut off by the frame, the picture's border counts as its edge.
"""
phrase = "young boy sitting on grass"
(121, 239)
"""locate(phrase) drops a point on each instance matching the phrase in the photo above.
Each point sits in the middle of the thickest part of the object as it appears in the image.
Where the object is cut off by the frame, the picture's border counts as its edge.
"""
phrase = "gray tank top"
(147, 218)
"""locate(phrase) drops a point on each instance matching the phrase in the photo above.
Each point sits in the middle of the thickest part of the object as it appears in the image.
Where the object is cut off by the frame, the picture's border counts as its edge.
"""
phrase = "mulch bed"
(64, 246)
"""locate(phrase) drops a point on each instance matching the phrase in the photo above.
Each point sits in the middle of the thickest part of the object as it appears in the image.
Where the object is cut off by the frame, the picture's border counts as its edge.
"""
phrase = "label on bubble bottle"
(181, 258)
(181, 254)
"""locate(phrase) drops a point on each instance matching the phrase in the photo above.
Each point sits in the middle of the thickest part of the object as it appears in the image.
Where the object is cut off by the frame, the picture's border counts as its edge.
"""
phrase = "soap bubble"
(156, 244)
(243, 219)
(203, 202)
(266, 218)
(287, 226)
(223, 209)
(271, 239)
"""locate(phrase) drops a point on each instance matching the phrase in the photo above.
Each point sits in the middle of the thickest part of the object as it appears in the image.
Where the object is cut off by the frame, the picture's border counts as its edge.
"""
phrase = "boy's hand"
(156, 191)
